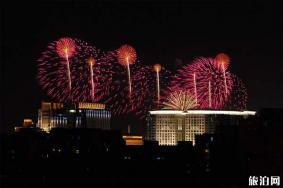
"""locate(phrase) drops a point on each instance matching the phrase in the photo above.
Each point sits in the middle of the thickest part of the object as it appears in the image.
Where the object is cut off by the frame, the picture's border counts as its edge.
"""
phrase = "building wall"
(100, 119)
(195, 125)
(82, 115)
(168, 128)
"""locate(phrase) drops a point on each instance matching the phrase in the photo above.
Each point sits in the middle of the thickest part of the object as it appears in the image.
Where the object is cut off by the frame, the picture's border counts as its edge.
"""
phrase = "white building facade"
(170, 126)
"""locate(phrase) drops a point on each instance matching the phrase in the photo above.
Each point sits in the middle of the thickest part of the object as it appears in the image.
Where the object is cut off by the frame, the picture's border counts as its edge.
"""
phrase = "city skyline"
(181, 93)
(167, 34)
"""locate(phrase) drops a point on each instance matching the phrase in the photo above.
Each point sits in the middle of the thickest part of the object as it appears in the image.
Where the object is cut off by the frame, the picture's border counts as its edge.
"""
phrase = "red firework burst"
(126, 55)
(203, 79)
(157, 67)
(222, 60)
(65, 47)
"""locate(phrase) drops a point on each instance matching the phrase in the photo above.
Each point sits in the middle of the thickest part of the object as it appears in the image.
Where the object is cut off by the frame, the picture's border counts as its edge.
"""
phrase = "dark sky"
(249, 31)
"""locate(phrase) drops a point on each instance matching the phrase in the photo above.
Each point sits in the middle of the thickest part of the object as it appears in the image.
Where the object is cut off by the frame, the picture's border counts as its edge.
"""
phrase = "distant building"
(169, 127)
(133, 140)
(27, 123)
(79, 115)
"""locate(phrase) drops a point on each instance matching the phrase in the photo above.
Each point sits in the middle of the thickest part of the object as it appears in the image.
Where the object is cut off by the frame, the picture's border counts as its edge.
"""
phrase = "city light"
(203, 112)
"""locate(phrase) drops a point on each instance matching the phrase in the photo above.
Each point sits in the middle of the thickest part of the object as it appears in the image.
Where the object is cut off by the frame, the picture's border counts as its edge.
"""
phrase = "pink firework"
(126, 56)
(91, 62)
(203, 79)
(65, 47)
(94, 74)
(157, 68)
(155, 83)
(222, 60)
(143, 91)
(238, 97)
(119, 101)
(85, 86)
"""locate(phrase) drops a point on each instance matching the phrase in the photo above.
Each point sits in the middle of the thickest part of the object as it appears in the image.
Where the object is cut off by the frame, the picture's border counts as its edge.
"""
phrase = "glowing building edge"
(202, 112)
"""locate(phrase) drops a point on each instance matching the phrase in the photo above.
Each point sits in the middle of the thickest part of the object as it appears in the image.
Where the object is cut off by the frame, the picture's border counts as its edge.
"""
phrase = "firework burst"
(203, 79)
(127, 56)
(66, 48)
(180, 100)
(239, 95)
(154, 88)
(119, 101)
(89, 83)
(72, 70)
(222, 61)
(144, 90)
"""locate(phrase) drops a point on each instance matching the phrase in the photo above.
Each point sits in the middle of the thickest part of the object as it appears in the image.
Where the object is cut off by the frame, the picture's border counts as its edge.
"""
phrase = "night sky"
(250, 32)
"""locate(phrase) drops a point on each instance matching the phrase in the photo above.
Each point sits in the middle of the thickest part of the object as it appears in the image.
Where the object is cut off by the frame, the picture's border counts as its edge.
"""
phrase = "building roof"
(202, 112)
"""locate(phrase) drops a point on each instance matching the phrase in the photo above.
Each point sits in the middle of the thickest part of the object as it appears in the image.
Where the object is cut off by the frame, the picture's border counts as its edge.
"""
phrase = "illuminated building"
(133, 140)
(79, 115)
(27, 122)
(168, 127)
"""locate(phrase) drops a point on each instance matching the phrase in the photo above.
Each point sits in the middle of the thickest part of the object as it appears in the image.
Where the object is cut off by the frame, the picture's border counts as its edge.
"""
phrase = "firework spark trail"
(95, 85)
(129, 77)
(91, 62)
(209, 94)
(158, 87)
(126, 56)
(119, 102)
(144, 90)
(66, 48)
(157, 69)
(225, 83)
(150, 88)
(223, 60)
(68, 70)
(92, 83)
(195, 88)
